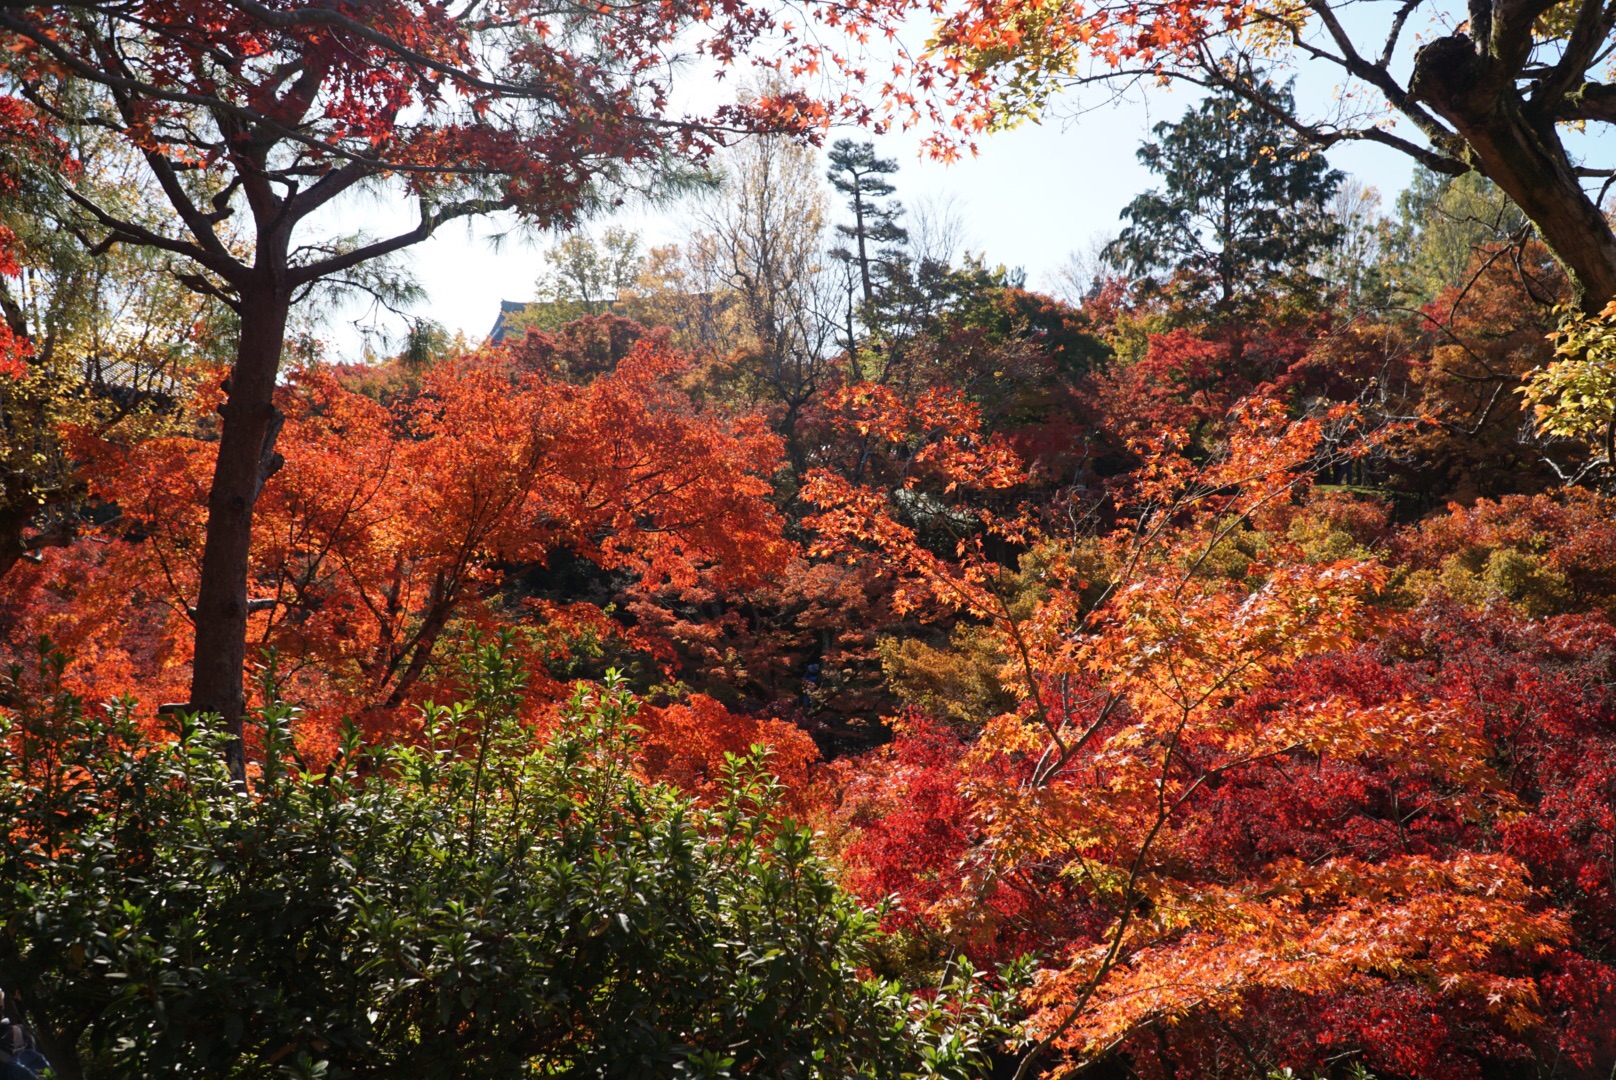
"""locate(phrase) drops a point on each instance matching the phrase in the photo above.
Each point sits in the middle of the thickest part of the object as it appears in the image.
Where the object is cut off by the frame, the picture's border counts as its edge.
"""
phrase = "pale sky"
(1030, 198)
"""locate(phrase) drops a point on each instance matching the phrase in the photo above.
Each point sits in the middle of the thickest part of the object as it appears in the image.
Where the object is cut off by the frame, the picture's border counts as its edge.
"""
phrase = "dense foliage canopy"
(858, 662)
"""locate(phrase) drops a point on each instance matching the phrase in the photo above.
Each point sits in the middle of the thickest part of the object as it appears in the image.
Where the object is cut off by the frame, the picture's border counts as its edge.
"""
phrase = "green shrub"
(486, 903)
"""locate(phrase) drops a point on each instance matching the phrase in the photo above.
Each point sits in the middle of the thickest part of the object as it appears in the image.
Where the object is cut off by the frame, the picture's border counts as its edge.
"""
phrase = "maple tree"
(1142, 668)
(253, 117)
(1190, 378)
(18, 137)
(1453, 363)
(813, 644)
(390, 525)
(1487, 87)
(1243, 683)
(106, 340)
(1480, 338)
(28, 405)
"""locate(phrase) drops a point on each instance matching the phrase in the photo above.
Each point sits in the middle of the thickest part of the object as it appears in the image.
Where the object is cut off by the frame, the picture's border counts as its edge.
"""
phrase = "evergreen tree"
(857, 173)
(1244, 207)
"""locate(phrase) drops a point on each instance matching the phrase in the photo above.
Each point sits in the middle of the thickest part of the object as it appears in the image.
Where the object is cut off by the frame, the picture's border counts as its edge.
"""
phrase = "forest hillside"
(804, 648)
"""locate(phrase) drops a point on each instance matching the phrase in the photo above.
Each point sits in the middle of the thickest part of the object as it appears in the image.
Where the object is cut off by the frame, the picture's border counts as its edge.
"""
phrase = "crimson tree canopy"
(280, 107)
(250, 115)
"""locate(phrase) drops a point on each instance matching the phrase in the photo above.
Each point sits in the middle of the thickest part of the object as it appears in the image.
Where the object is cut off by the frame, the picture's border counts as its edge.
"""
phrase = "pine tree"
(857, 173)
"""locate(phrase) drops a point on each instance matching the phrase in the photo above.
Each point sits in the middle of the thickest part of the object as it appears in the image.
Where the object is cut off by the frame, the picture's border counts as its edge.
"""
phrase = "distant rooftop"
(502, 321)
(511, 310)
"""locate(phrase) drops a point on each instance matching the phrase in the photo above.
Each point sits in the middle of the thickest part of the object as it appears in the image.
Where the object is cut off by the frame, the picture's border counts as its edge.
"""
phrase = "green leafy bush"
(1574, 396)
(485, 903)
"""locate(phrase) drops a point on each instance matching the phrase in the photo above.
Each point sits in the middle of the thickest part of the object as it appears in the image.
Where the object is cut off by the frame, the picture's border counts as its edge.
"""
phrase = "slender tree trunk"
(853, 375)
(1523, 155)
(445, 598)
(794, 451)
(247, 458)
(864, 255)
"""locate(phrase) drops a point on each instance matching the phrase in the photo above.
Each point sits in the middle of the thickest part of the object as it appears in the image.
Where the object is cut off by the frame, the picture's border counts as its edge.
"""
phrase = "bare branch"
(430, 222)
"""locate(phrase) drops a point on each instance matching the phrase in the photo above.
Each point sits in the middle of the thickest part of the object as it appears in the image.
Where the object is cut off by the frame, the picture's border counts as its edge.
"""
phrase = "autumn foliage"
(1244, 769)
(1239, 777)
(1261, 747)
(393, 522)
(1144, 685)
(1254, 766)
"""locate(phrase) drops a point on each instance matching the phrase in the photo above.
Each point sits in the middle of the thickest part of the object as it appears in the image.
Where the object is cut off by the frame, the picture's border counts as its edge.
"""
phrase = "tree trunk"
(14, 522)
(1523, 155)
(863, 255)
(445, 598)
(247, 458)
